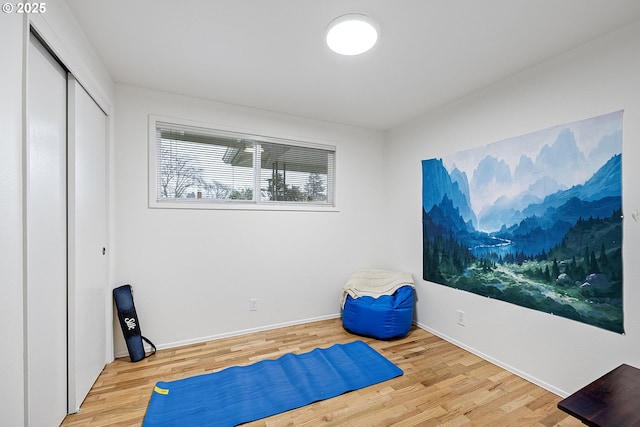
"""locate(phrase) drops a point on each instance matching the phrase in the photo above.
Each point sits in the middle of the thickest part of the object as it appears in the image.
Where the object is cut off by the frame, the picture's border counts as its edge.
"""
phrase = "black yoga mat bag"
(130, 325)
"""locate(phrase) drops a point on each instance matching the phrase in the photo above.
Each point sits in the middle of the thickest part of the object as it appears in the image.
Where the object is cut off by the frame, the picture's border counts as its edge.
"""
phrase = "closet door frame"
(101, 330)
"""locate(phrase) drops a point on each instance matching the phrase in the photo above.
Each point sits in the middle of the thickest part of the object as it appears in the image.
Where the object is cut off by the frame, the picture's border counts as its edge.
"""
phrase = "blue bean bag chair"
(384, 317)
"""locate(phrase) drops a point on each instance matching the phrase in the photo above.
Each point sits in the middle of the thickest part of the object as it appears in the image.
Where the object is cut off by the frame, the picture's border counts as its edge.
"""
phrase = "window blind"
(197, 165)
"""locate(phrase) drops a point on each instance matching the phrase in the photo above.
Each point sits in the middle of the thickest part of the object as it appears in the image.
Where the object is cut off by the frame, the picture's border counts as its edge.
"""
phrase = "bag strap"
(153, 347)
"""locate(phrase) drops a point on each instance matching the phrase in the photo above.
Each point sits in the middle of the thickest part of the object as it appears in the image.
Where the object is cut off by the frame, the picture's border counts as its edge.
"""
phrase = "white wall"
(194, 271)
(562, 355)
(62, 33)
(11, 301)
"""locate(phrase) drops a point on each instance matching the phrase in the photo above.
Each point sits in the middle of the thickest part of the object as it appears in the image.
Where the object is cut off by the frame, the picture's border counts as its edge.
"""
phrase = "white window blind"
(206, 167)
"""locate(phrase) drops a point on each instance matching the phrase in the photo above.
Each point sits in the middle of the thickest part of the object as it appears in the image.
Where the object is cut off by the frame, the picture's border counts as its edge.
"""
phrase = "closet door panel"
(88, 287)
(46, 239)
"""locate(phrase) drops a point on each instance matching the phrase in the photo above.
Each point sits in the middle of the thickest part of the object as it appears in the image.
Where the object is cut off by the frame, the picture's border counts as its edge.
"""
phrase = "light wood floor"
(442, 384)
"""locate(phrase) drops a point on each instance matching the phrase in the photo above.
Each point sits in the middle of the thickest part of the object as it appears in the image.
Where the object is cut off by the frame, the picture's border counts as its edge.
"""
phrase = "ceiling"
(271, 54)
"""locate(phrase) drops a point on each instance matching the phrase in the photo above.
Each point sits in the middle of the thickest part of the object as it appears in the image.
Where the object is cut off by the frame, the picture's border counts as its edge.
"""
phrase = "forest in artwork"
(534, 220)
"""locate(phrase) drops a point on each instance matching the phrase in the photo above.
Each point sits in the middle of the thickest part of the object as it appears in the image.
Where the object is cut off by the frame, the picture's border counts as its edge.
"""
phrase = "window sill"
(248, 206)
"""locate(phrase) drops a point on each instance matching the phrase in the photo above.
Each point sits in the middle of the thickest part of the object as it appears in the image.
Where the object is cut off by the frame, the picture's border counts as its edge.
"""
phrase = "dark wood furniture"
(611, 400)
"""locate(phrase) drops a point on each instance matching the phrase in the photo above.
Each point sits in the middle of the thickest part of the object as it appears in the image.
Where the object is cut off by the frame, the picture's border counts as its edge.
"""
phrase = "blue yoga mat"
(240, 394)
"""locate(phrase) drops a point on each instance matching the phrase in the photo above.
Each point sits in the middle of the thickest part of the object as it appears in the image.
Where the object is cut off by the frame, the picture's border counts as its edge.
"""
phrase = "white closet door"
(46, 239)
(88, 288)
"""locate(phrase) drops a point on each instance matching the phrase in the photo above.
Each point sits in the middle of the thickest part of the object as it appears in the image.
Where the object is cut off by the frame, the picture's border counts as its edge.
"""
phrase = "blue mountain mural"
(546, 236)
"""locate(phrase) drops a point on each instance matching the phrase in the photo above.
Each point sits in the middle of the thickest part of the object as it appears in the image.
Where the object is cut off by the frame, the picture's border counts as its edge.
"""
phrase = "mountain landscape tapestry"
(534, 220)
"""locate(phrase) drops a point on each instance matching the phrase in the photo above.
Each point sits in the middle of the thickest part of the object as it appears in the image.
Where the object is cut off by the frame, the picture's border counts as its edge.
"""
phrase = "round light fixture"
(352, 34)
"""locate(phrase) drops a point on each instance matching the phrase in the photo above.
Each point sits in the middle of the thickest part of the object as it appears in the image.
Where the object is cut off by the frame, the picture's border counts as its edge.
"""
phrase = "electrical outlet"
(461, 318)
(253, 304)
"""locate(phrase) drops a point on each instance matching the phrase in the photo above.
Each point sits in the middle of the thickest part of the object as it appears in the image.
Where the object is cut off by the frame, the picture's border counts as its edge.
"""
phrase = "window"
(209, 168)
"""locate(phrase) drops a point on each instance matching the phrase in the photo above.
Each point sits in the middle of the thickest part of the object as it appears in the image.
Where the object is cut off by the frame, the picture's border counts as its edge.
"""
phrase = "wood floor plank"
(442, 385)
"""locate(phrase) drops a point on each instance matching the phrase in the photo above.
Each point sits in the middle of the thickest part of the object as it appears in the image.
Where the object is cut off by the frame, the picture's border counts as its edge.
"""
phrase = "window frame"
(228, 204)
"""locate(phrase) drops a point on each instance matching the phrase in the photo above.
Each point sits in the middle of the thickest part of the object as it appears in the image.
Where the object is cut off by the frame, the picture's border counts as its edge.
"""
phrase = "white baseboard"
(497, 362)
(234, 333)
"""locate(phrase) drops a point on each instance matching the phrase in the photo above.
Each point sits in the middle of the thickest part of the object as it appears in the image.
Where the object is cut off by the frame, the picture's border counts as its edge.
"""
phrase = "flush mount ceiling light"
(352, 34)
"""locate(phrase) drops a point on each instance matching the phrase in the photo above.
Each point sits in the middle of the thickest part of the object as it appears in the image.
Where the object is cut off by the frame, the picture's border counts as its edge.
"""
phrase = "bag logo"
(131, 322)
